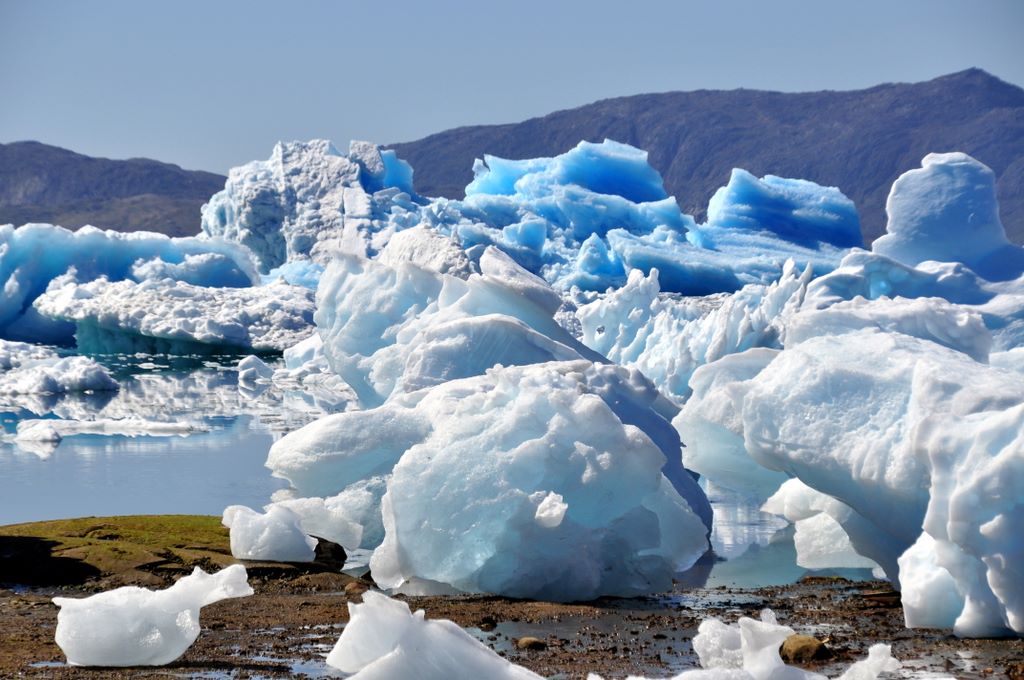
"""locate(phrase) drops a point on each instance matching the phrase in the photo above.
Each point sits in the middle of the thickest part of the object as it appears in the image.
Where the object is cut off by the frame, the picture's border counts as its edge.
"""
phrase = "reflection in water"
(750, 548)
(201, 473)
(113, 475)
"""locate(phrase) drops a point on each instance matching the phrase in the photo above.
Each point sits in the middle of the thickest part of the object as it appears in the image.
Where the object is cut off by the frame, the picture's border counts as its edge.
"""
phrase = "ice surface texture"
(551, 475)
(33, 255)
(175, 317)
(135, 626)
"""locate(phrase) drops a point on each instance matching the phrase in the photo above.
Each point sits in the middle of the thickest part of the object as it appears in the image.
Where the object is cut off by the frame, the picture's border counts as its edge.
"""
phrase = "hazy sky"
(215, 83)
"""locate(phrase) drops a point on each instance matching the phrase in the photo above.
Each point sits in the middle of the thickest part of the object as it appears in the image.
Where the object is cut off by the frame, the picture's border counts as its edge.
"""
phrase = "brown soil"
(297, 613)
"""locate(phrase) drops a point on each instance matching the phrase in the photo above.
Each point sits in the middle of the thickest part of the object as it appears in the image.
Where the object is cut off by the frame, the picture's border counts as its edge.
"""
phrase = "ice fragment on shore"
(384, 639)
(273, 536)
(134, 626)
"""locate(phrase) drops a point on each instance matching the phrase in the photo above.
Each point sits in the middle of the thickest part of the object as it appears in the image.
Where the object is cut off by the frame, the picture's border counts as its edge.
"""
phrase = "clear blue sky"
(215, 83)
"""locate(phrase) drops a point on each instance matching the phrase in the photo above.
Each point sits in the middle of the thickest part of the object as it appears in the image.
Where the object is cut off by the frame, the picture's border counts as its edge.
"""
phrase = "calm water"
(222, 463)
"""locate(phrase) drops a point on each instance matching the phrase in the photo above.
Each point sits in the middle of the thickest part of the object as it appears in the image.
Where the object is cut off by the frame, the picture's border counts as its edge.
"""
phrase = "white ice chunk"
(171, 316)
(551, 509)
(384, 639)
(275, 536)
(252, 369)
(134, 626)
(52, 429)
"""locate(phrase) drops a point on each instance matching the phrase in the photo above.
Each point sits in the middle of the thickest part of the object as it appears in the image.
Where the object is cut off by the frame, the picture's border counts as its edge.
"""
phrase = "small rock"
(355, 589)
(487, 624)
(531, 643)
(801, 649)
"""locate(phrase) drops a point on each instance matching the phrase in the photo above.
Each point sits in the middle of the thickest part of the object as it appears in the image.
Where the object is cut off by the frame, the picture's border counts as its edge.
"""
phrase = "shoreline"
(298, 611)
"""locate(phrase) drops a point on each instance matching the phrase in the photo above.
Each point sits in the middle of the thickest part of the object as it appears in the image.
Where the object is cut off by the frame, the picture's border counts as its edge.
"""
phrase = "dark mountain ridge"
(42, 183)
(859, 141)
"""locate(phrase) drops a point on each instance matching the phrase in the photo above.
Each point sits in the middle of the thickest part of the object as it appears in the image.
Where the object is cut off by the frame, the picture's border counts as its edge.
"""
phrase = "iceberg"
(134, 626)
(166, 316)
(582, 219)
(510, 448)
(668, 337)
(823, 525)
(252, 369)
(947, 211)
(306, 196)
(54, 375)
(33, 255)
(587, 217)
(896, 391)
(55, 429)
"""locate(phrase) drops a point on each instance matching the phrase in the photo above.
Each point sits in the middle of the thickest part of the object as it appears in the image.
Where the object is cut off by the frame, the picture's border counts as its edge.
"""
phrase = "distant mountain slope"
(42, 183)
(858, 140)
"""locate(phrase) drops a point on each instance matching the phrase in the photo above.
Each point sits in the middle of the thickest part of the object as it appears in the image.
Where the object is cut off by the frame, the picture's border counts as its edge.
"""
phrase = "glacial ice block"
(795, 210)
(134, 626)
(275, 535)
(33, 255)
(308, 194)
(947, 211)
(906, 432)
(384, 639)
(394, 324)
(749, 650)
(822, 522)
(163, 315)
(504, 446)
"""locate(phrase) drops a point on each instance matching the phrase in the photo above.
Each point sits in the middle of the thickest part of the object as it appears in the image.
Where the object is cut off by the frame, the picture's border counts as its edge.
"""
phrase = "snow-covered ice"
(33, 255)
(162, 315)
(134, 626)
(32, 370)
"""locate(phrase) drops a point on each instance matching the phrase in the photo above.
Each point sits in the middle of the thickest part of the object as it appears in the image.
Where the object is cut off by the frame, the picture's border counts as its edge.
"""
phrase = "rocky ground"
(297, 613)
